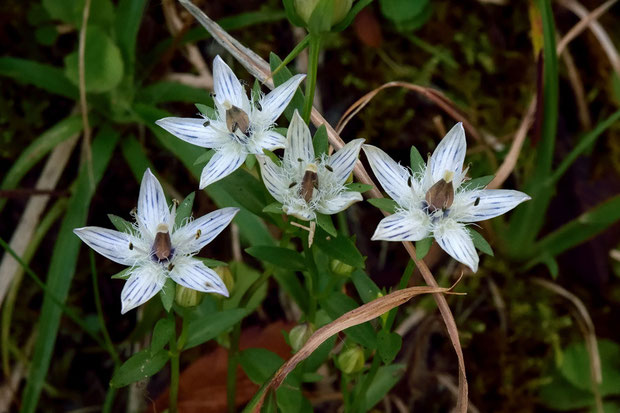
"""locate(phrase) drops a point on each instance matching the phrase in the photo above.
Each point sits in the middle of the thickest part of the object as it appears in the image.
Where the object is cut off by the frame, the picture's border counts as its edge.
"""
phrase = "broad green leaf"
(49, 78)
(422, 247)
(320, 141)
(357, 187)
(385, 379)
(184, 210)
(340, 248)
(46, 34)
(120, 224)
(325, 222)
(386, 204)
(127, 25)
(212, 325)
(259, 364)
(560, 394)
(273, 208)
(478, 183)
(281, 257)
(167, 294)
(101, 11)
(163, 332)
(576, 366)
(417, 162)
(244, 277)
(164, 92)
(122, 275)
(366, 288)
(336, 305)
(62, 266)
(136, 158)
(388, 345)
(204, 158)
(480, 242)
(290, 399)
(103, 63)
(244, 188)
(289, 282)
(139, 366)
(211, 263)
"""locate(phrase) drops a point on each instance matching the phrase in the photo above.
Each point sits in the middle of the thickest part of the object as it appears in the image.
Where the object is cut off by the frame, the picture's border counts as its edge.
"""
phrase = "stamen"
(329, 168)
(440, 195)
(170, 267)
(198, 233)
(309, 182)
(207, 123)
(236, 118)
(130, 246)
(162, 246)
(292, 185)
(477, 201)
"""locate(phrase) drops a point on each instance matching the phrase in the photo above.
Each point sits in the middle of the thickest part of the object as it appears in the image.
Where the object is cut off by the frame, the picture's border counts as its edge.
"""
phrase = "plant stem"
(313, 64)
(104, 329)
(361, 394)
(174, 370)
(404, 280)
(231, 376)
(312, 281)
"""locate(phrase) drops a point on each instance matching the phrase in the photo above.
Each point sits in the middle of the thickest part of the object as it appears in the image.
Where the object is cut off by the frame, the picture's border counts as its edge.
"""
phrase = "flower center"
(309, 182)
(162, 246)
(236, 118)
(440, 196)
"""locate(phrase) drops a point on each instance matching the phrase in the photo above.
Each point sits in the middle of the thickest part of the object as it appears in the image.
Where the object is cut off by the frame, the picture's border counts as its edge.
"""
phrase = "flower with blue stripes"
(156, 249)
(433, 202)
(305, 184)
(240, 126)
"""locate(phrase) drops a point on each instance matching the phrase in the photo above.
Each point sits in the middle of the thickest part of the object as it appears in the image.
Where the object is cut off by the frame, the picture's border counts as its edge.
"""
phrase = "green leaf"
(560, 394)
(244, 277)
(385, 379)
(101, 11)
(103, 64)
(336, 305)
(321, 18)
(320, 141)
(163, 332)
(340, 248)
(388, 345)
(127, 24)
(167, 294)
(281, 257)
(477, 183)
(417, 162)
(184, 210)
(212, 325)
(259, 364)
(366, 288)
(122, 275)
(120, 224)
(357, 187)
(244, 188)
(422, 247)
(273, 208)
(63, 264)
(325, 222)
(139, 366)
(480, 242)
(282, 76)
(204, 158)
(46, 34)
(211, 263)
(576, 366)
(386, 204)
(136, 158)
(49, 78)
(164, 92)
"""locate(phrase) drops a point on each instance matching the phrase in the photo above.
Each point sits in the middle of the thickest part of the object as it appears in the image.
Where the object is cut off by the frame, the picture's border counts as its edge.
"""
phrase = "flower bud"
(351, 360)
(186, 297)
(299, 335)
(340, 268)
(305, 8)
(227, 277)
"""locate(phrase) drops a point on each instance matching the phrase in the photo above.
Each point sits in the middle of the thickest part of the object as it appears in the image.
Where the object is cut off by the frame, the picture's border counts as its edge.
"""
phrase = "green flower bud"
(227, 277)
(352, 360)
(305, 8)
(340, 268)
(186, 297)
(299, 335)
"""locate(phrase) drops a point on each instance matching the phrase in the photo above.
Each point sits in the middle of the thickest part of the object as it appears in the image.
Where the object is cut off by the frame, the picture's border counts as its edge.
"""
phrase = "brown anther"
(329, 168)
(440, 195)
(477, 201)
(170, 267)
(292, 185)
(198, 233)
(309, 182)
(207, 123)
(162, 247)
(236, 118)
(130, 246)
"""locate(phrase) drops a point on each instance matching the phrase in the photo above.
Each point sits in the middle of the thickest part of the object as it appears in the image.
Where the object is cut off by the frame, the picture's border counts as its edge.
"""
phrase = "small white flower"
(433, 202)
(240, 127)
(305, 184)
(156, 249)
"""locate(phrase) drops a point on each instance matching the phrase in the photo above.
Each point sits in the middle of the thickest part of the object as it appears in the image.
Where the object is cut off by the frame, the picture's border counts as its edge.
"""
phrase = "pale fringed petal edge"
(113, 245)
(402, 226)
(270, 140)
(459, 245)
(392, 176)
(152, 207)
(200, 232)
(492, 203)
(226, 85)
(343, 161)
(222, 164)
(339, 203)
(192, 273)
(194, 131)
(141, 286)
(272, 178)
(449, 154)
(304, 213)
(299, 142)
(276, 101)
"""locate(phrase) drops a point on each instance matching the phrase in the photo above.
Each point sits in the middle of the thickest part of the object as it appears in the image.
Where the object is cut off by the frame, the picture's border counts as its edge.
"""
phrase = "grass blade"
(46, 77)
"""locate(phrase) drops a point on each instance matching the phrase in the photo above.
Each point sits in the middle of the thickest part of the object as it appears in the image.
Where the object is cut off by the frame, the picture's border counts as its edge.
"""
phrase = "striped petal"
(142, 285)
(199, 232)
(449, 155)
(339, 203)
(403, 226)
(273, 178)
(227, 87)
(392, 176)
(343, 161)
(274, 103)
(299, 142)
(194, 131)
(192, 273)
(270, 140)
(152, 207)
(455, 240)
(489, 203)
(111, 244)
(222, 164)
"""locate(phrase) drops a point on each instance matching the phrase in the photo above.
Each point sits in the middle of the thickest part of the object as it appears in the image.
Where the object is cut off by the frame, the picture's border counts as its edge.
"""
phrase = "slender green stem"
(343, 225)
(366, 380)
(104, 329)
(404, 280)
(293, 54)
(313, 64)
(108, 403)
(312, 282)
(174, 370)
(233, 360)
(68, 312)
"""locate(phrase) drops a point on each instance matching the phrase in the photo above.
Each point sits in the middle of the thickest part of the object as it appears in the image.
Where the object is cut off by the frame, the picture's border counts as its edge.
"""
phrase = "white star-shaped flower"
(434, 203)
(305, 184)
(156, 249)
(241, 126)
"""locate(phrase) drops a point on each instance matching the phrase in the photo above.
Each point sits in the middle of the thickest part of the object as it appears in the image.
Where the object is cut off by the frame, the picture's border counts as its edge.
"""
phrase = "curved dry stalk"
(434, 95)
(587, 328)
(259, 68)
(86, 146)
(583, 24)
